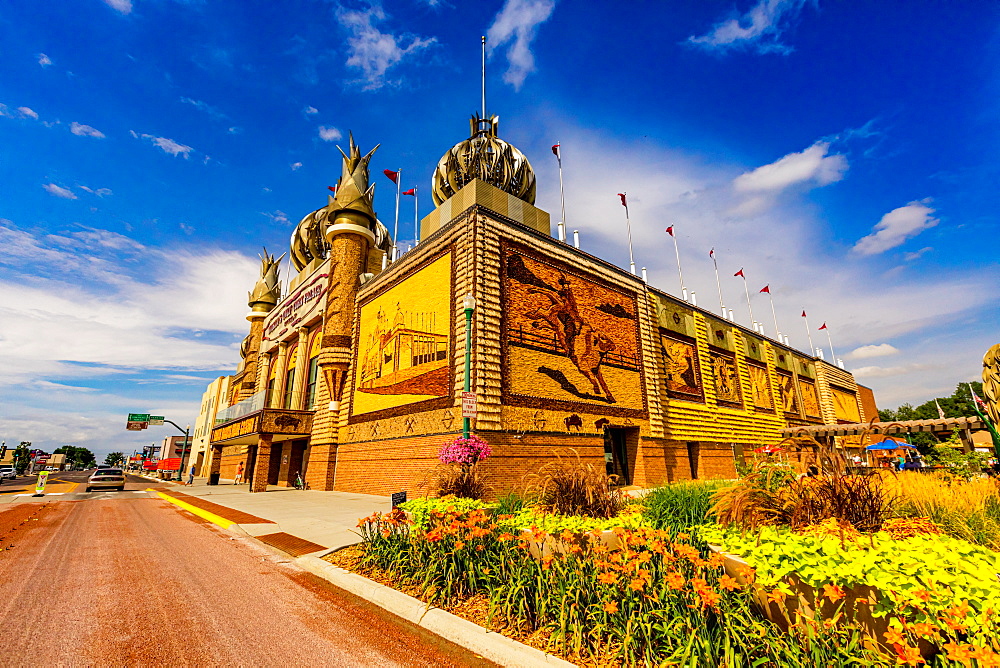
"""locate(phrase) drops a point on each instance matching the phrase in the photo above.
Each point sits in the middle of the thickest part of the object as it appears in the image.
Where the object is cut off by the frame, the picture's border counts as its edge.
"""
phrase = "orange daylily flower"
(958, 652)
(893, 636)
(728, 583)
(908, 654)
(637, 584)
(923, 629)
(776, 596)
(459, 545)
(611, 607)
(546, 562)
(709, 598)
(833, 592)
(607, 578)
(505, 537)
(675, 580)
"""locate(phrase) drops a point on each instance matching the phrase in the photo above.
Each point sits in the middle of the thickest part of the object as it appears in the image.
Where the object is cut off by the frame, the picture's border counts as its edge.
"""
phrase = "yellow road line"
(204, 514)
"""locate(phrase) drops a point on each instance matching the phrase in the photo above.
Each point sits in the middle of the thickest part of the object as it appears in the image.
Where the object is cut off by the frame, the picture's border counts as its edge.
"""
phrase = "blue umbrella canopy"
(888, 444)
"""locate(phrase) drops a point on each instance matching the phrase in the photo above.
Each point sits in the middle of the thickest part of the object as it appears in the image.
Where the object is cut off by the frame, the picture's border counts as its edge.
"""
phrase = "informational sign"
(171, 464)
(398, 498)
(156, 420)
(135, 426)
(138, 417)
(468, 404)
(43, 477)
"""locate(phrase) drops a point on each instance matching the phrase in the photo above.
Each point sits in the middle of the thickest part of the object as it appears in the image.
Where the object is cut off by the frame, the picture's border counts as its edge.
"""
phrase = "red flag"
(740, 273)
(670, 230)
(803, 314)
(711, 253)
(555, 151)
(411, 191)
(766, 288)
(333, 188)
(624, 203)
(824, 326)
(393, 176)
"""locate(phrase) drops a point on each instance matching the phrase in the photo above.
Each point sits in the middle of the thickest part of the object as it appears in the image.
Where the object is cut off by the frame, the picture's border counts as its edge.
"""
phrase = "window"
(292, 357)
(313, 377)
(272, 372)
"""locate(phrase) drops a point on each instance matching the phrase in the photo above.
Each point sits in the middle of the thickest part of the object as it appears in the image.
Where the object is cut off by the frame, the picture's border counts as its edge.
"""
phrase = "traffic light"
(3, 451)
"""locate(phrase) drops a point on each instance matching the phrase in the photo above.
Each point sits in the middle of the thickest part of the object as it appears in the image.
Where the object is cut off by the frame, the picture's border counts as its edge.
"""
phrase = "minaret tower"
(352, 230)
(261, 300)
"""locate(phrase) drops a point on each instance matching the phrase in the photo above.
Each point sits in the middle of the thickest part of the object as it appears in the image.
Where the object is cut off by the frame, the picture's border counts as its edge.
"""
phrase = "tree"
(77, 457)
(114, 459)
(959, 404)
(22, 457)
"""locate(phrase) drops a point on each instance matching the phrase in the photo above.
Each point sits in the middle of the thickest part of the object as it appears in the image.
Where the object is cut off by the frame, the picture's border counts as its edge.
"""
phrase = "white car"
(107, 479)
(7, 473)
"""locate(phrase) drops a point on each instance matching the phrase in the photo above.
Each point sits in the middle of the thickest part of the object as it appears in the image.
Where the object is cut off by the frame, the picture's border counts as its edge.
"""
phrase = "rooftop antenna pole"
(484, 75)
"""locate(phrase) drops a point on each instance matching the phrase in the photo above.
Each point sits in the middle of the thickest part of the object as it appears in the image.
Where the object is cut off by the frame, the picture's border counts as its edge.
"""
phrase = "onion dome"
(484, 156)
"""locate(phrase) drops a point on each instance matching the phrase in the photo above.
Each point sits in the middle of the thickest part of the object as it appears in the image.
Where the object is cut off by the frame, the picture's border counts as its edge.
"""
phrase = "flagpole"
(416, 220)
(747, 289)
(562, 195)
(830, 339)
(484, 76)
(395, 229)
(722, 306)
(812, 348)
(777, 333)
(628, 226)
(680, 274)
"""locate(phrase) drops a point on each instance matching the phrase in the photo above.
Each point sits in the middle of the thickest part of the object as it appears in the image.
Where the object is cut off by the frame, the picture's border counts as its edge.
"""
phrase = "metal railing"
(258, 401)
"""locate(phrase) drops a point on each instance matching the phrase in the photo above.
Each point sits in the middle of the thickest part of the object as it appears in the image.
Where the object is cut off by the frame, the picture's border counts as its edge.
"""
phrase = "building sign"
(245, 426)
(468, 404)
(299, 307)
(135, 426)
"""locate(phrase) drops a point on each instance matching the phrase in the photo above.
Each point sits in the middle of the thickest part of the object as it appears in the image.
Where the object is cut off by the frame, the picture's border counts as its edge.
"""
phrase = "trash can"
(213, 478)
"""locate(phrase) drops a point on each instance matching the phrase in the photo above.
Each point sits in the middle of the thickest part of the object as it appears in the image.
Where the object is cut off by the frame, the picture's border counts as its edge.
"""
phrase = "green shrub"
(680, 505)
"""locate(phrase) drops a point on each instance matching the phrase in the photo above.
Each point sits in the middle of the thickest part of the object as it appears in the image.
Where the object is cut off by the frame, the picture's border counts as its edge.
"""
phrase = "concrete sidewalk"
(329, 519)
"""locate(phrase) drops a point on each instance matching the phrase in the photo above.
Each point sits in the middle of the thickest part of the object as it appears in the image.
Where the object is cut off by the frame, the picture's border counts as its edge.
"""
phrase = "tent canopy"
(889, 444)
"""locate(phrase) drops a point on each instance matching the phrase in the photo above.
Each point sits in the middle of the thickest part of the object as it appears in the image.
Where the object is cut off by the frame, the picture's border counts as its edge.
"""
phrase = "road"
(124, 578)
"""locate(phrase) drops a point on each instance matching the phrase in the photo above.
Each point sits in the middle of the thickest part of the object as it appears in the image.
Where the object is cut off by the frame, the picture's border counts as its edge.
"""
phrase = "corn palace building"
(354, 378)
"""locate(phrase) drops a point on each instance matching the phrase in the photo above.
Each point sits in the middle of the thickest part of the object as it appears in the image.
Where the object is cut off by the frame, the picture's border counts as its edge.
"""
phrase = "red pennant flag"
(766, 288)
(411, 191)
(670, 230)
(393, 176)
(740, 273)
(803, 314)
(711, 253)
(624, 203)
(824, 326)
(333, 188)
(555, 150)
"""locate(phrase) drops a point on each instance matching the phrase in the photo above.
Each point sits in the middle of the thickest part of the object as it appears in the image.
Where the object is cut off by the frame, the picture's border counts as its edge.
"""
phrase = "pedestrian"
(901, 461)
(239, 475)
(191, 475)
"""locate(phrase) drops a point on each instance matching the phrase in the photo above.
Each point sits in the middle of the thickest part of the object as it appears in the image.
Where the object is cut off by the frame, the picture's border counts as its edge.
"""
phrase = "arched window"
(272, 374)
(312, 380)
(292, 358)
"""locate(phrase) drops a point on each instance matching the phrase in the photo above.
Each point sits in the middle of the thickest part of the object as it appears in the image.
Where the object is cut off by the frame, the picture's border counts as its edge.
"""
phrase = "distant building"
(355, 377)
(215, 396)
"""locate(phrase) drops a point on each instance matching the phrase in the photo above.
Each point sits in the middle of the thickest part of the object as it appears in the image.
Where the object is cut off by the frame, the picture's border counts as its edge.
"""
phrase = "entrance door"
(616, 454)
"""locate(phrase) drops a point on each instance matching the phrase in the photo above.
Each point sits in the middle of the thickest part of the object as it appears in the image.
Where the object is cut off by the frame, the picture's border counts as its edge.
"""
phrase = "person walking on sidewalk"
(239, 475)
(191, 475)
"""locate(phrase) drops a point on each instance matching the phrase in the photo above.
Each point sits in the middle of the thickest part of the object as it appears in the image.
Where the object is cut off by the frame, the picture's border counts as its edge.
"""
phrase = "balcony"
(244, 422)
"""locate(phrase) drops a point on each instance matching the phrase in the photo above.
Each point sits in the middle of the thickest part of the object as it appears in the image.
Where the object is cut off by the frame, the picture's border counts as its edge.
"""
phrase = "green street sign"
(155, 419)
(138, 417)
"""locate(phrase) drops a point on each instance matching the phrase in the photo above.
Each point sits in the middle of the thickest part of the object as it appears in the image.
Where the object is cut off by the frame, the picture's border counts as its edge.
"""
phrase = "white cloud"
(205, 108)
(372, 51)
(759, 29)
(867, 372)
(310, 110)
(235, 130)
(279, 217)
(517, 23)
(813, 164)
(296, 165)
(329, 133)
(896, 227)
(168, 145)
(85, 130)
(916, 255)
(865, 352)
(27, 112)
(123, 6)
(44, 60)
(59, 191)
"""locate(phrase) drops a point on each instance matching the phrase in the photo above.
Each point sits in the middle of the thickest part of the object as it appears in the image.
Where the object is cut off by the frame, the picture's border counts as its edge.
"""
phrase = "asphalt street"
(124, 579)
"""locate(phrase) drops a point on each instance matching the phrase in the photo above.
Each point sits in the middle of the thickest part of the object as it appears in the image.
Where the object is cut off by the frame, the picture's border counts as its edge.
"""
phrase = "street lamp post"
(184, 448)
(469, 302)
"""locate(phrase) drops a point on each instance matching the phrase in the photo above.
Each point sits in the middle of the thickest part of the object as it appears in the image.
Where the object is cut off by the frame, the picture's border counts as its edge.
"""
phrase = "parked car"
(106, 479)
(7, 473)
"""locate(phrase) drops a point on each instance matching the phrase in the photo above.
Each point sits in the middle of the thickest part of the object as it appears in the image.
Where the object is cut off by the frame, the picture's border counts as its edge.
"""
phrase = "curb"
(489, 644)
(194, 510)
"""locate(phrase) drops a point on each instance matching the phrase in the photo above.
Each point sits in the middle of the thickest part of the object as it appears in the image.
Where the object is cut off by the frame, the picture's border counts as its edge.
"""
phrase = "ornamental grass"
(966, 509)
(662, 598)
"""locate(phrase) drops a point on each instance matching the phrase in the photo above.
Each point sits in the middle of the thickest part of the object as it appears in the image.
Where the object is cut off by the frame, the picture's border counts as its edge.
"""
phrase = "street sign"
(398, 498)
(156, 420)
(468, 404)
(136, 426)
(138, 417)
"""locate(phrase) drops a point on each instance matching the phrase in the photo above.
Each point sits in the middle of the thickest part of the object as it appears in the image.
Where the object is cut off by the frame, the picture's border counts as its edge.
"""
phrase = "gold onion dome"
(484, 156)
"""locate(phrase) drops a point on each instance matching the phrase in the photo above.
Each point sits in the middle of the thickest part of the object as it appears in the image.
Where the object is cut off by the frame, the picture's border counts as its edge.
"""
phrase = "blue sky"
(843, 153)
